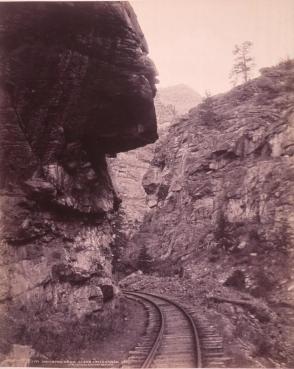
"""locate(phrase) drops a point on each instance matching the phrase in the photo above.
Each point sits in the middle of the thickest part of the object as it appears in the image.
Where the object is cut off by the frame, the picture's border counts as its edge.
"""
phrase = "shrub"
(206, 110)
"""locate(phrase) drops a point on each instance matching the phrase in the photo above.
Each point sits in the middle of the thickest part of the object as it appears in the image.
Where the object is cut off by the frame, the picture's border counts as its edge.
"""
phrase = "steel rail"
(149, 359)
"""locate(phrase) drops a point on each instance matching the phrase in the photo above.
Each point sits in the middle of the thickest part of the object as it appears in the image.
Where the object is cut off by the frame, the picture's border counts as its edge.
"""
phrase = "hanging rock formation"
(76, 84)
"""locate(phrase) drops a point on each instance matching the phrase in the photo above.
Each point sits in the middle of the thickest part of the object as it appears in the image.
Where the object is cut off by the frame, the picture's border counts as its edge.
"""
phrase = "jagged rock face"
(222, 181)
(76, 84)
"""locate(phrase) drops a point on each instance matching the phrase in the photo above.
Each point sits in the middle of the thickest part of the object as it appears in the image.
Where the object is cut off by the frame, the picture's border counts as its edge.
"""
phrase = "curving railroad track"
(174, 337)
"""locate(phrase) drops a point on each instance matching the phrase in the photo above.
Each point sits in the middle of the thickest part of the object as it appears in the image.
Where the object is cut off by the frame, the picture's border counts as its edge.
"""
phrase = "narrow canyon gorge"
(109, 187)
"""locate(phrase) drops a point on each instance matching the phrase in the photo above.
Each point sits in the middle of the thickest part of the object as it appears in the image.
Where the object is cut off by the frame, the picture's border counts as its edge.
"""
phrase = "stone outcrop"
(76, 85)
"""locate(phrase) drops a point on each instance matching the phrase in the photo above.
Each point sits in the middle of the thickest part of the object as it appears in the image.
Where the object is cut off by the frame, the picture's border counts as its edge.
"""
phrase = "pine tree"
(243, 62)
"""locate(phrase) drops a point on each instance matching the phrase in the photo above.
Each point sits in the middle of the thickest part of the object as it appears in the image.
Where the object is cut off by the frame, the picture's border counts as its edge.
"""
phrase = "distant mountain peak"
(178, 85)
(181, 96)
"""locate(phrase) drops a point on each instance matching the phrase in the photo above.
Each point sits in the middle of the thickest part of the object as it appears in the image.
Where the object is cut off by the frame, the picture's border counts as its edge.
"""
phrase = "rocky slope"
(222, 186)
(76, 84)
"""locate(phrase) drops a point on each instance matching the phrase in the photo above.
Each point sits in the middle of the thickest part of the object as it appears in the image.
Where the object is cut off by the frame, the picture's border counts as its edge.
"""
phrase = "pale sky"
(191, 41)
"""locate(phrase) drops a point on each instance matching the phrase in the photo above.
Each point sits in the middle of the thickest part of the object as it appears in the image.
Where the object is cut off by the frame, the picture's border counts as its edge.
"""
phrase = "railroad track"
(174, 337)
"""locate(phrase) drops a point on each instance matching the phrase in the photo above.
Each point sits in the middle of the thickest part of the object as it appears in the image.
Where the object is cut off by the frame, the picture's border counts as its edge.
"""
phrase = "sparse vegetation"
(206, 110)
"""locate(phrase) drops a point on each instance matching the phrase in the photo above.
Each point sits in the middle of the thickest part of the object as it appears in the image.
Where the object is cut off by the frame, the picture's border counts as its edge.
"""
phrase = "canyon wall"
(76, 85)
(221, 184)
(221, 230)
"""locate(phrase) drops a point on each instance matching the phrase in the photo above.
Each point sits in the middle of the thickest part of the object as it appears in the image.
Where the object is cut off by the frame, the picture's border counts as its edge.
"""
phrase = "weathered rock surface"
(222, 186)
(227, 180)
(76, 84)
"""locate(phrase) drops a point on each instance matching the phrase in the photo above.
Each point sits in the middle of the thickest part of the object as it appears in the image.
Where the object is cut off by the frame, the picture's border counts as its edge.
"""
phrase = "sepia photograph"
(147, 184)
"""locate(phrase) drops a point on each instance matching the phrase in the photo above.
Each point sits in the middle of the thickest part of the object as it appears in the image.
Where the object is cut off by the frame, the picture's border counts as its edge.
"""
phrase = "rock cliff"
(222, 182)
(76, 85)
